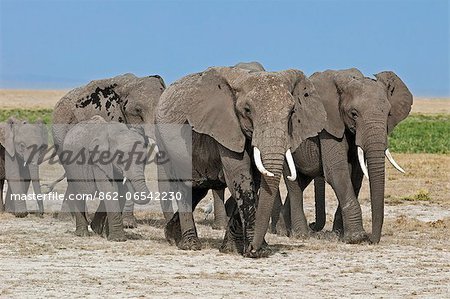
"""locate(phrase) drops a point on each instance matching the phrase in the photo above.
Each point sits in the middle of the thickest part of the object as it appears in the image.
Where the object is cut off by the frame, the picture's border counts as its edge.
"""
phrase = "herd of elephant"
(249, 127)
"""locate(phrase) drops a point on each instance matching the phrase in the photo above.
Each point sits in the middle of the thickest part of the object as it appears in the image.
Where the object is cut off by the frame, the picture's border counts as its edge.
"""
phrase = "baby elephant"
(22, 147)
(105, 160)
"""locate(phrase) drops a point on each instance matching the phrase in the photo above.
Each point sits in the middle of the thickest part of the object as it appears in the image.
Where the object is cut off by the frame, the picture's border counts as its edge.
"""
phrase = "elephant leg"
(239, 179)
(357, 178)
(114, 228)
(14, 203)
(34, 176)
(189, 239)
(285, 226)
(299, 226)
(275, 213)
(319, 198)
(337, 174)
(338, 222)
(220, 215)
(164, 185)
(2, 206)
(99, 220)
(129, 221)
(78, 208)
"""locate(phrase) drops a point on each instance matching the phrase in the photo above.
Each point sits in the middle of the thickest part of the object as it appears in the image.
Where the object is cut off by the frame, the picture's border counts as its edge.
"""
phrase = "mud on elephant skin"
(22, 147)
(102, 157)
(361, 112)
(238, 118)
(125, 98)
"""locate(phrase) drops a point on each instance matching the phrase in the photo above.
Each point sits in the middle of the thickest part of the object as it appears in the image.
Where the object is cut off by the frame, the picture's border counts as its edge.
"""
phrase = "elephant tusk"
(362, 162)
(291, 165)
(124, 180)
(25, 164)
(388, 155)
(259, 164)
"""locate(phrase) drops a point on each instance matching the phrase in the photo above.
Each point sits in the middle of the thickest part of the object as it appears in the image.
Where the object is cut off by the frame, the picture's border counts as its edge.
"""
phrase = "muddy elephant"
(238, 118)
(105, 160)
(220, 212)
(126, 99)
(22, 146)
(361, 112)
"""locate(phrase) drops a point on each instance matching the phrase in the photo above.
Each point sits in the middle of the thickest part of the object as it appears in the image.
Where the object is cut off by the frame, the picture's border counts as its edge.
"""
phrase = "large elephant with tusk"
(239, 119)
(361, 112)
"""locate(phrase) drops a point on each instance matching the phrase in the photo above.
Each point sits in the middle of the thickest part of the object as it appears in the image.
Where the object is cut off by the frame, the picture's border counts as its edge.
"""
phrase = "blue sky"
(64, 44)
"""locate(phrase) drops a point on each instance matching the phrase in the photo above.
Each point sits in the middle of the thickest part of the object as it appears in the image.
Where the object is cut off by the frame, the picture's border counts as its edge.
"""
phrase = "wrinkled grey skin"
(231, 111)
(18, 139)
(125, 98)
(360, 112)
(103, 177)
(220, 215)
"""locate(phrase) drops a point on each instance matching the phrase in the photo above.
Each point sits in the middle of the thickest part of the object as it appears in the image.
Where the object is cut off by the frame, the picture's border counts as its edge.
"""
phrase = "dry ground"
(42, 257)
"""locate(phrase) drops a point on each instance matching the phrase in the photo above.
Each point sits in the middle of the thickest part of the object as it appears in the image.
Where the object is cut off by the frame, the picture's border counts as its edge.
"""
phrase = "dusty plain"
(41, 257)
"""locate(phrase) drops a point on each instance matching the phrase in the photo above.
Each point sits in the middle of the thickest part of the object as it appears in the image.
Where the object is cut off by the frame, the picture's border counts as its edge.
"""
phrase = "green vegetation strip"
(422, 134)
(27, 114)
(416, 134)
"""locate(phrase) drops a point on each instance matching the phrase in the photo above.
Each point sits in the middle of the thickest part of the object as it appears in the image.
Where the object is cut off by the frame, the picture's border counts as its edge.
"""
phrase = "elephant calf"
(22, 146)
(103, 159)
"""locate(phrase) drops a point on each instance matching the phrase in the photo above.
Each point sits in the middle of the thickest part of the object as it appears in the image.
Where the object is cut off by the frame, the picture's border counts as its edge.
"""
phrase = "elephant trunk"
(273, 148)
(374, 149)
(34, 176)
(141, 192)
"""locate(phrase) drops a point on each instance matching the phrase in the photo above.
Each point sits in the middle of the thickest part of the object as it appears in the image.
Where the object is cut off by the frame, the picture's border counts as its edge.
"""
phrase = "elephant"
(220, 212)
(22, 146)
(104, 179)
(361, 112)
(125, 98)
(237, 117)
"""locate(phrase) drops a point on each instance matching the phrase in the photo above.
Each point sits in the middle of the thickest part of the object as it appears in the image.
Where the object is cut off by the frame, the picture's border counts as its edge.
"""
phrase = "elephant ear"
(7, 136)
(399, 96)
(214, 112)
(309, 116)
(100, 144)
(329, 97)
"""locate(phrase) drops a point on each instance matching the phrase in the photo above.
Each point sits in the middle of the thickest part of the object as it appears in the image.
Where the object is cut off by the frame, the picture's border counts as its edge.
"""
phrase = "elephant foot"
(172, 231)
(356, 237)
(282, 228)
(82, 232)
(117, 237)
(315, 227)
(21, 214)
(262, 252)
(129, 221)
(190, 241)
(97, 225)
(231, 244)
(40, 214)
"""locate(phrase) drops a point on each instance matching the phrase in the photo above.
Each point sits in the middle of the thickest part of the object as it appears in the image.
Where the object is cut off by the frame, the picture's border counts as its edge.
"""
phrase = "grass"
(416, 134)
(422, 134)
(27, 114)
(421, 195)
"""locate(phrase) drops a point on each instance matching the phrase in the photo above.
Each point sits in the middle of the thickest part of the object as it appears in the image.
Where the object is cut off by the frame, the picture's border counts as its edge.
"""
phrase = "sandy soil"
(42, 257)
(17, 98)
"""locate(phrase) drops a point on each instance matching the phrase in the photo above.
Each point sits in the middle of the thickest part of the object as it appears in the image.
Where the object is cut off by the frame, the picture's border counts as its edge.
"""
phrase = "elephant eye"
(354, 114)
(247, 111)
(22, 146)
